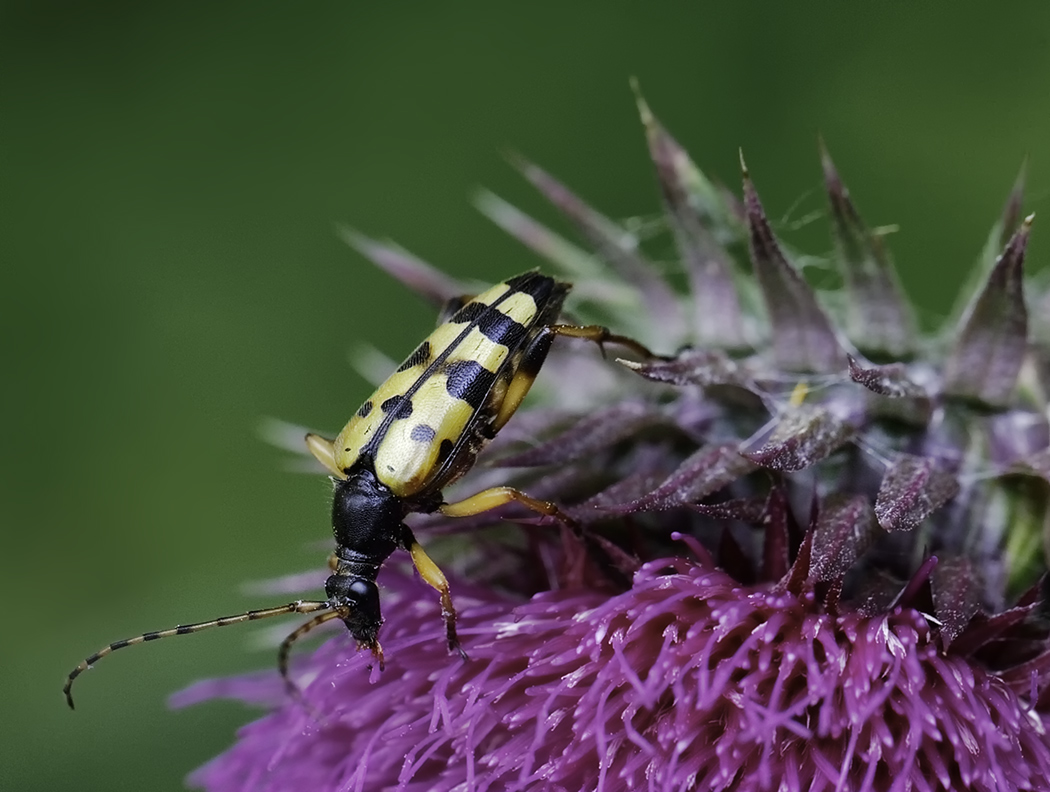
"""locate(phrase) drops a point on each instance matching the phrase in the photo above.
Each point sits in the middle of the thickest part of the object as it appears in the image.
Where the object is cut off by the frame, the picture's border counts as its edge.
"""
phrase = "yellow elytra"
(454, 391)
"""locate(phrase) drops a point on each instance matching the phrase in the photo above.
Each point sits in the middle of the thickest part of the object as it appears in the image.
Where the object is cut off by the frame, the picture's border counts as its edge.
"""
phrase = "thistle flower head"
(821, 534)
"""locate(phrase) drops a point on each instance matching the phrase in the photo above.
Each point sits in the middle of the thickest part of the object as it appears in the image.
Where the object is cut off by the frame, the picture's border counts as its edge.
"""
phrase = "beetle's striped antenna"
(299, 606)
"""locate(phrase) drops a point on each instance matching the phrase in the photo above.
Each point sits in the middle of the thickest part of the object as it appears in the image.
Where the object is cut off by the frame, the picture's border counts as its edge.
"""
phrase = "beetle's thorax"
(366, 518)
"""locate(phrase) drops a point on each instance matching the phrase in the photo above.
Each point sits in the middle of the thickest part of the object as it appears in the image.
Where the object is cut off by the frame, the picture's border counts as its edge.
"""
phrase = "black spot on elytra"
(445, 449)
(492, 323)
(534, 284)
(468, 380)
(469, 313)
(497, 326)
(417, 358)
(397, 406)
(364, 409)
(535, 353)
(422, 433)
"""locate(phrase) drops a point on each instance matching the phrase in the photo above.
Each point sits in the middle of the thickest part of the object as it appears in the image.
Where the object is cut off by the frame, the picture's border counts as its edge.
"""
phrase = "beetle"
(419, 432)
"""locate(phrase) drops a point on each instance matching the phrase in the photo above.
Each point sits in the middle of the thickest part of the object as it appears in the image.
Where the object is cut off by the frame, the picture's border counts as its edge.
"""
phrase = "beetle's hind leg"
(532, 359)
(528, 367)
(601, 336)
(433, 576)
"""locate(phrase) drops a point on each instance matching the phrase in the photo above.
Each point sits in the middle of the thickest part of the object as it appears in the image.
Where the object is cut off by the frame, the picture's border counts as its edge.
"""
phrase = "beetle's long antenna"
(299, 606)
(296, 634)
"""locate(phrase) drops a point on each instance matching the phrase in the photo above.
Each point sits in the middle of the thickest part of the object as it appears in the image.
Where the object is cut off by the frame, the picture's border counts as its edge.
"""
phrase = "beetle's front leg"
(433, 576)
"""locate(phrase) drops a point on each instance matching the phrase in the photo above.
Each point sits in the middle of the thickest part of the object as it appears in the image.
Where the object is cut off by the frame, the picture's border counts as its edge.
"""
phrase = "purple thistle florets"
(686, 681)
(802, 558)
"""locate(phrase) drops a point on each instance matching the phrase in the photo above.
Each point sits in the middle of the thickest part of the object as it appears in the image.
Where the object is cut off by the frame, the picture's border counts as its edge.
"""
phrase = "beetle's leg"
(499, 496)
(601, 336)
(324, 451)
(433, 576)
(495, 497)
(536, 352)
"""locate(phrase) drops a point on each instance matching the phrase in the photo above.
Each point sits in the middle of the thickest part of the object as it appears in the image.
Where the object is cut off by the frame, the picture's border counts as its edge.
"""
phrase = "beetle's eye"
(360, 588)
(350, 590)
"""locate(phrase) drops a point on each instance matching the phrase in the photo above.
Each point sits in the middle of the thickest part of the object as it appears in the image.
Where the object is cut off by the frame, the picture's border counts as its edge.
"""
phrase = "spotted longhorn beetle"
(418, 433)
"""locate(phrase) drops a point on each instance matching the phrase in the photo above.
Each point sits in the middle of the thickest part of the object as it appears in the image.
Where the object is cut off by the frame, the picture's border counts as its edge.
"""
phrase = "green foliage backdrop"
(170, 177)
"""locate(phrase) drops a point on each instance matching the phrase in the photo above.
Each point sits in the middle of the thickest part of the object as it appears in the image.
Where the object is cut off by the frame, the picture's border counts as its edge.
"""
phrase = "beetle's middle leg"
(623, 563)
(494, 497)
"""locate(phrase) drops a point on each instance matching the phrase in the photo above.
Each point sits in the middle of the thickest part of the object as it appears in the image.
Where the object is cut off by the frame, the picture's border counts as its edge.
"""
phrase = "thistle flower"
(826, 539)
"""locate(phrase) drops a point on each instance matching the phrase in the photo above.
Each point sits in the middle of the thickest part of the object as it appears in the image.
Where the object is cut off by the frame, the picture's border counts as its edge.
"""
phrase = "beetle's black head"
(360, 600)
(366, 516)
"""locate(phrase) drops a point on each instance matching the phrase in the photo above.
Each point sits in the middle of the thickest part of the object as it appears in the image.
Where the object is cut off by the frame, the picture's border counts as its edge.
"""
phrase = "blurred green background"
(170, 178)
